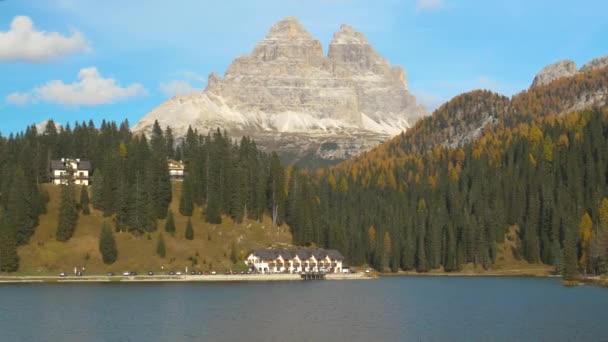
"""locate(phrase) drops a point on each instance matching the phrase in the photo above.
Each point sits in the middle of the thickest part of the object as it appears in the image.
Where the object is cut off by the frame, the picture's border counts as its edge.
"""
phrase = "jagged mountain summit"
(566, 68)
(293, 99)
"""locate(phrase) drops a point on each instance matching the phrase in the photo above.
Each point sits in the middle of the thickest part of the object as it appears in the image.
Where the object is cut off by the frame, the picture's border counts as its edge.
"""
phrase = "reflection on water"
(388, 309)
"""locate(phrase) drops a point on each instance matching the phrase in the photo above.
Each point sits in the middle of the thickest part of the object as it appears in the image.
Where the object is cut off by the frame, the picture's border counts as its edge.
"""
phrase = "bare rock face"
(293, 99)
(554, 71)
(597, 63)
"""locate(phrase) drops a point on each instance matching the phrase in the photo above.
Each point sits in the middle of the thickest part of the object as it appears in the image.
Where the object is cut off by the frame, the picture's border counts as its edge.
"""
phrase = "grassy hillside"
(210, 247)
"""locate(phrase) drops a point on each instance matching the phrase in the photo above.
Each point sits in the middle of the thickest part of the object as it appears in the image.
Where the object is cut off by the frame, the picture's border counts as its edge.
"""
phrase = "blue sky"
(89, 59)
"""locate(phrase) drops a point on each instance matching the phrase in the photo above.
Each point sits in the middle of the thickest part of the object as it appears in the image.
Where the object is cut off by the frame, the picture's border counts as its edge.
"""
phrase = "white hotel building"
(79, 169)
(295, 261)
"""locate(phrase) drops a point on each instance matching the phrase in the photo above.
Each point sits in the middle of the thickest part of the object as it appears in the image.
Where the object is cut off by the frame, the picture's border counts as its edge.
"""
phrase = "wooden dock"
(312, 275)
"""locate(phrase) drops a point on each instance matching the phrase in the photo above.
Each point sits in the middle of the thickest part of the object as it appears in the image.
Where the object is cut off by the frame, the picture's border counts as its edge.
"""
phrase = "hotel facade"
(295, 261)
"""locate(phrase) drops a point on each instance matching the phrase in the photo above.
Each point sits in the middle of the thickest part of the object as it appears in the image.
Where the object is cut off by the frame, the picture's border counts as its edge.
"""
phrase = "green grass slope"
(209, 250)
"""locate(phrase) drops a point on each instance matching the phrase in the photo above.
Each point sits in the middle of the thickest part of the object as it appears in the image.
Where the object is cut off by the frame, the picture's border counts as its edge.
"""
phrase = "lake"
(387, 309)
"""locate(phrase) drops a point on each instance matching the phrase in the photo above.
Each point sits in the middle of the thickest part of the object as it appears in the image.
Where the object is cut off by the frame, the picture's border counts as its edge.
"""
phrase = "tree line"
(131, 184)
(423, 210)
(447, 207)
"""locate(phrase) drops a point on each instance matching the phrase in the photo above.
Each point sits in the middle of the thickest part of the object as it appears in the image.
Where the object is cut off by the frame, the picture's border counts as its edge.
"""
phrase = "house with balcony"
(176, 169)
(295, 261)
(76, 171)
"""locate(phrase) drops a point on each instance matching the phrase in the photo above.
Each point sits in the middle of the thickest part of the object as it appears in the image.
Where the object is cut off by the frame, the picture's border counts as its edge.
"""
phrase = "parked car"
(206, 273)
(242, 272)
(126, 273)
(199, 273)
(178, 273)
(63, 274)
(79, 274)
(150, 273)
(133, 274)
(213, 273)
(110, 274)
(172, 273)
(193, 273)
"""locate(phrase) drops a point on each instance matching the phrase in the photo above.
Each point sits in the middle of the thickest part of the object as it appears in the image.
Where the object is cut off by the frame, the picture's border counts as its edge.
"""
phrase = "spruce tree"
(189, 235)
(170, 224)
(233, 253)
(19, 212)
(84, 200)
(68, 214)
(570, 260)
(9, 259)
(160, 246)
(96, 189)
(107, 245)
(186, 205)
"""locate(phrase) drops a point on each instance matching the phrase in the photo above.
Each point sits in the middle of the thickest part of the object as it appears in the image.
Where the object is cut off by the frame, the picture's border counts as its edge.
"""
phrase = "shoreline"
(174, 278)
(470, 274)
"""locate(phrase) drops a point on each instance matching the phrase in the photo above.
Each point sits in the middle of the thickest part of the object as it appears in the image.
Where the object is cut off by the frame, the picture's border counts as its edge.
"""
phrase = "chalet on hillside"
(176, 169)
(79, 169)
(295, 261)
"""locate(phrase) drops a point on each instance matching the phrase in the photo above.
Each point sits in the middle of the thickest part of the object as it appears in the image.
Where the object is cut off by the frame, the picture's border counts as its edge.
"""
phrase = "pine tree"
(170, 224)
(141, 213)
(212, 213)
(276, 190)
(170, 143)
(386, 246)
(107, 245)
(96, 189)
(570, 260)
(84, 200)
(160, 192)
(186, 201)
(586, 231)
(233, 253)
(371, 242)
(9, 259)
(189, 230)
(68, 214)
(160, 246)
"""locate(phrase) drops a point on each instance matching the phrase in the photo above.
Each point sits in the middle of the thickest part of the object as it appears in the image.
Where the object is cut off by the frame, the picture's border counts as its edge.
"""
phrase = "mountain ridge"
(465, 117)
(292, 98)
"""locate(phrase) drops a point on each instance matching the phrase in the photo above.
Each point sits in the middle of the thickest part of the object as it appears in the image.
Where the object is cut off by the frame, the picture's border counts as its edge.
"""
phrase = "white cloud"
(177, 87)
(18, 98)
(429, 101)
(91, 89)
(24, 43)
(187, 83)
(430, 5)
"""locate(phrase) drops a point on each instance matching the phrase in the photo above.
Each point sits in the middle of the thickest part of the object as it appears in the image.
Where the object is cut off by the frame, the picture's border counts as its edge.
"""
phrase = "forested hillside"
(440, 196)
(443, 194)
(130, 183)
(449, 207)
(465, 118)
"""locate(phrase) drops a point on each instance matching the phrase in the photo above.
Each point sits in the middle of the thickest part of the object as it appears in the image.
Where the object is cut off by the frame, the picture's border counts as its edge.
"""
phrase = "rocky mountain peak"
(293, 99)
(348, 35)
(287, 39)
(548, 74)
(352, 54)
(288, 29)
(596, 64)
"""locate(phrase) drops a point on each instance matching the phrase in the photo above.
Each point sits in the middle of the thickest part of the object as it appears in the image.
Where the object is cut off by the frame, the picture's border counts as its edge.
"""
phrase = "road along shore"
(174, 278)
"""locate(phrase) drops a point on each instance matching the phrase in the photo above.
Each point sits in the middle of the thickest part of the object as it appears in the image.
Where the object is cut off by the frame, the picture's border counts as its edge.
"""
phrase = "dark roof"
(85, 165)
(57, 165)
(82, 165)
(267, 254)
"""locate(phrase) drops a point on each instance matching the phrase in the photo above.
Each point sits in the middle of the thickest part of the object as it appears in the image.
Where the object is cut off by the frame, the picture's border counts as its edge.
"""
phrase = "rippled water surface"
(388, 309)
